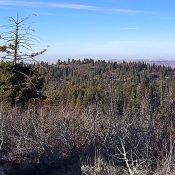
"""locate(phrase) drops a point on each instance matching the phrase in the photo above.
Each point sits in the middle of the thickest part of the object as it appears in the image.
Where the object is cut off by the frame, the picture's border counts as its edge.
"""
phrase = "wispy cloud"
(39, 4)
(129, 28)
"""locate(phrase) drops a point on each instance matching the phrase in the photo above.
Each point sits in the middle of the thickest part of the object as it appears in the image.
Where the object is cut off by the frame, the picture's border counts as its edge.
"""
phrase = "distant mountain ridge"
(170, 63)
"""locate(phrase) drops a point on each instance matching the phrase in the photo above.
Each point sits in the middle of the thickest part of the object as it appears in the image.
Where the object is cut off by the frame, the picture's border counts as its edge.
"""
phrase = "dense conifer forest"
(128, 84)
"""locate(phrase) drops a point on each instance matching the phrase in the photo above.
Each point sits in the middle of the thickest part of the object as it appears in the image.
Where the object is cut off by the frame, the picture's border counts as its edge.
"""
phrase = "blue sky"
(100, 29)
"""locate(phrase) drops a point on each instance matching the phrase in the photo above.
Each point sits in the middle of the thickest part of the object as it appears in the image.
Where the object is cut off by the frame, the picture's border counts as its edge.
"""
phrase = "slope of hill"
(80, 83)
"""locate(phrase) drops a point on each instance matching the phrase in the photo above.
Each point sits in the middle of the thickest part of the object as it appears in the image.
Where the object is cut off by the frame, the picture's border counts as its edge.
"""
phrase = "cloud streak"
(129, 28)
(39, 4)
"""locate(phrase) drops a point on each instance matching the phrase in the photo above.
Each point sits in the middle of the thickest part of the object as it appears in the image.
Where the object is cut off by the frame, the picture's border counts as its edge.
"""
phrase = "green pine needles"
(19, 83)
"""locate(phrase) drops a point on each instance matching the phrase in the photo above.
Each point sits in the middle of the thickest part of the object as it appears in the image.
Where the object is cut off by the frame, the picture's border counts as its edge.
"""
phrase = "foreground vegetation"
(105, 118)
(48, 140)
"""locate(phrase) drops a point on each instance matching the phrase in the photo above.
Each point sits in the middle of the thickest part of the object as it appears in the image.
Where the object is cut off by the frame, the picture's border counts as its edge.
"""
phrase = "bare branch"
(18, 40)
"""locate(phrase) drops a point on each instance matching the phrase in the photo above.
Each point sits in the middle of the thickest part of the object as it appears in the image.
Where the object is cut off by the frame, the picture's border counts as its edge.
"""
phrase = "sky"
(99, 29)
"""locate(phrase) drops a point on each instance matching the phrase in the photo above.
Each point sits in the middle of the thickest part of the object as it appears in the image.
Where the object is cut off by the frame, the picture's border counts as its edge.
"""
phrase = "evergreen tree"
(18, 81)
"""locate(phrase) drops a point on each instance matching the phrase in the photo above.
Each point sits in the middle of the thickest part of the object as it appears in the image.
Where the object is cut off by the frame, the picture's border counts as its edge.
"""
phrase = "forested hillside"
(93, 117)
(128, 84)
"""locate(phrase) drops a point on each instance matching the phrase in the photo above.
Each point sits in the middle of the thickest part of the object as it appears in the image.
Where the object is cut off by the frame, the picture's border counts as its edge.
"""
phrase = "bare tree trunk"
(16, 40)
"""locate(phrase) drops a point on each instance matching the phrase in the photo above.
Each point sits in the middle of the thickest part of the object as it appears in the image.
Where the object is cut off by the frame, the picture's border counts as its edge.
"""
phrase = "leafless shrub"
(46, 134)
